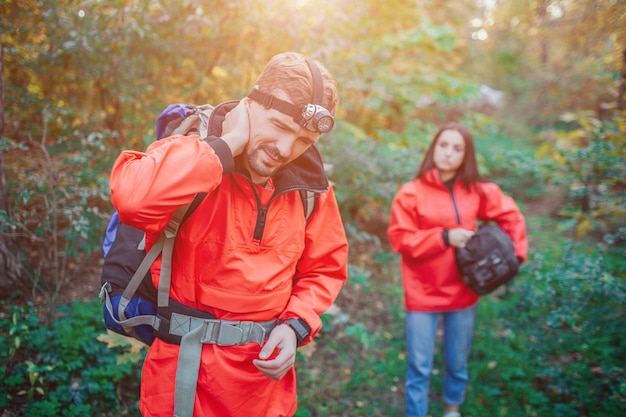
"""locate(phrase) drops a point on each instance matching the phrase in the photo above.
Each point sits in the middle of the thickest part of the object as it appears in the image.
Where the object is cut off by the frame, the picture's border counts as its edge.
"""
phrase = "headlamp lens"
(317, 118)
(324, 123)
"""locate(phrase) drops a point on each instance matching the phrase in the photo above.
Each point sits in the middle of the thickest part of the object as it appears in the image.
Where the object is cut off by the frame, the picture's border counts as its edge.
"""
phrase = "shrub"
(573, 313)
(591, 154)
(65, 370)
(355, 366)
(367, 174)
(520, 174)
(510, 161)
(59, 199)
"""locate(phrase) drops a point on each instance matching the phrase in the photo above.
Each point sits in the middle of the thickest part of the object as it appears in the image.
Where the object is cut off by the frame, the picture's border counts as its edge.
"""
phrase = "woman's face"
(449, 153)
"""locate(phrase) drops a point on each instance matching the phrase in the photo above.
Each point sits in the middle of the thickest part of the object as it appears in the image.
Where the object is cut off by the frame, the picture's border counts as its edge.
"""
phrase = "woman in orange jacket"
(430, 216)
(245, 256)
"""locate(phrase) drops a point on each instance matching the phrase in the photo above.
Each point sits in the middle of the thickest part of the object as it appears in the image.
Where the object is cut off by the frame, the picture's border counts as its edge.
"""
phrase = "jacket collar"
(305, 172)
(433, 177)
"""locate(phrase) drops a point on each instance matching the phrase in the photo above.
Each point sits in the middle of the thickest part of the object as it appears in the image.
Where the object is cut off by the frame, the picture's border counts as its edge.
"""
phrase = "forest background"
(540, 83)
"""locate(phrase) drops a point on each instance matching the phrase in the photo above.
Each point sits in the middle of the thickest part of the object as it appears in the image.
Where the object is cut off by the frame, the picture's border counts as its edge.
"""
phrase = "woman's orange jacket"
(245, 253)
(420, 212)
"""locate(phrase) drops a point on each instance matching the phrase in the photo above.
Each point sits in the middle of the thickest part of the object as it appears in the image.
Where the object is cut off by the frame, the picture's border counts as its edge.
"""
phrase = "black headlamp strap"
(318, 82)
(271, 102)
(313, 116)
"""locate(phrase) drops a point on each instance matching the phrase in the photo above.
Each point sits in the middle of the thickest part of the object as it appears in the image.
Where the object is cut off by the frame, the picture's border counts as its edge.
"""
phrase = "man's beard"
(258, 167)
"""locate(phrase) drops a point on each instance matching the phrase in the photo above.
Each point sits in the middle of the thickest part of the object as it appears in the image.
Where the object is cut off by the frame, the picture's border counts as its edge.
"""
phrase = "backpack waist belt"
(194, 332)
(221, 332)
(175, 320)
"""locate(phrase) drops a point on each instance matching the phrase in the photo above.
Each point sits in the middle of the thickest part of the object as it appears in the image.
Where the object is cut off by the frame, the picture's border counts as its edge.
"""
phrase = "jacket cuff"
(300, 327)
(444, 235)
(223, 152)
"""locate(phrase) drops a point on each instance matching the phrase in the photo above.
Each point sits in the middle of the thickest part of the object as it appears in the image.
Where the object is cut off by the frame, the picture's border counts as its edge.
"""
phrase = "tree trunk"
(621, 91)
(10, 266)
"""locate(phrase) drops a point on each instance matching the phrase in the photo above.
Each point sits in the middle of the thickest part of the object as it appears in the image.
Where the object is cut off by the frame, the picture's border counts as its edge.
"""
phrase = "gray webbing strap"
(169, 234)
(310, 205)
(195, 332)
(196, 123)
(127, 324)
(164, 245)
(222, 332)
(188, 126)
(187, 371)
(138, 276)
(142, 244)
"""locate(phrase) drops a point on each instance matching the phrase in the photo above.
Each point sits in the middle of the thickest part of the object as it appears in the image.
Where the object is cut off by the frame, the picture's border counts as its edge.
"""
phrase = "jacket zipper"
(260, 221)
(456, 209)
(259, 227)
(451, 191)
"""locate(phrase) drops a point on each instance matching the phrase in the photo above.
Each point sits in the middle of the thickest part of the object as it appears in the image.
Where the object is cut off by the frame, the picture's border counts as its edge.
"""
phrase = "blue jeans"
(421, 332)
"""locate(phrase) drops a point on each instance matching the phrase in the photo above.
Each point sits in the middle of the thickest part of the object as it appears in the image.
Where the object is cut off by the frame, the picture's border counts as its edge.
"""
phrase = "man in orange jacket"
(245, 255)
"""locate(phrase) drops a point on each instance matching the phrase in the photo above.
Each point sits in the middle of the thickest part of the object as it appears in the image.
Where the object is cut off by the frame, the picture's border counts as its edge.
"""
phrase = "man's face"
(275, 140)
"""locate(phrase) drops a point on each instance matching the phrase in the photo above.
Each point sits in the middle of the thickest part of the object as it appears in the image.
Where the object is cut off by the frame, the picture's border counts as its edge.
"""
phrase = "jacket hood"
(305, 172)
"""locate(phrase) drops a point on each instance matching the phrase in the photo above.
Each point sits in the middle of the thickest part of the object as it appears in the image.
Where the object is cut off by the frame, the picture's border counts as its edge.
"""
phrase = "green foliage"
(357, 366)
(551, 57)
(519, 174)
(509, 161)
(501, 380)
(60, 205)
(64, 370)
(402, 65)
(83, 80)
(101, 72)
(591, 154)
(368, 173)
(549, 346)
(572, 312)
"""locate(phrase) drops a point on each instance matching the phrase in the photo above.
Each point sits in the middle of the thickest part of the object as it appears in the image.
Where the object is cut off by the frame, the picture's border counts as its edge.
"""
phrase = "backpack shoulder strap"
(165, 246)
(169, 234)
(309, 200)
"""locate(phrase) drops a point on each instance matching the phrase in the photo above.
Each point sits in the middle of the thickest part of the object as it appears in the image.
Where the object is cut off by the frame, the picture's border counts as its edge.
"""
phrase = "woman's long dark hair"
(468, 171)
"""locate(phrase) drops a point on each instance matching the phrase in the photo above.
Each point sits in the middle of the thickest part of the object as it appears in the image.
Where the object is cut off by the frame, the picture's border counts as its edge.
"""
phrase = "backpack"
(132, 305)
(176, 119)
(488, 260)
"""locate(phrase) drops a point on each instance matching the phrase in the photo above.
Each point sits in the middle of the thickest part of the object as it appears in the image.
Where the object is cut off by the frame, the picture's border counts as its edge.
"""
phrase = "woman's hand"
(459, 237)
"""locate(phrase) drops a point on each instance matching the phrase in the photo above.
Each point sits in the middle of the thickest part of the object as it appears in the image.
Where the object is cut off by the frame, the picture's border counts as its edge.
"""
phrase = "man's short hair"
(290, 73)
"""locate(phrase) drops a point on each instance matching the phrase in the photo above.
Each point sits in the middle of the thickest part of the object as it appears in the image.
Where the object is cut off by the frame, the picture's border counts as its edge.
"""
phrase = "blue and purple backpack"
(130, 299)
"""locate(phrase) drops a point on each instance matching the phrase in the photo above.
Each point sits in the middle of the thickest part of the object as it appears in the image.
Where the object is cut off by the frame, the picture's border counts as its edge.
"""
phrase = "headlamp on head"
(313, 117)
(316, 118)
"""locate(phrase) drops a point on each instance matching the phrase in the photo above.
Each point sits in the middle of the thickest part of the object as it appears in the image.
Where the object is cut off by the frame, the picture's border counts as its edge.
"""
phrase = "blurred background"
(540, 83)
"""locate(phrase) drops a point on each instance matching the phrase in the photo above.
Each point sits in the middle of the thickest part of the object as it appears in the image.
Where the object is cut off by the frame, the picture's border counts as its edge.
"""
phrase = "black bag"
(488, 260)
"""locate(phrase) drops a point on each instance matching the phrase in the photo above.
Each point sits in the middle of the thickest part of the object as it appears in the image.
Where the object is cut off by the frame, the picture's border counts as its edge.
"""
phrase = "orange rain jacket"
(420, 211)
(244, 254)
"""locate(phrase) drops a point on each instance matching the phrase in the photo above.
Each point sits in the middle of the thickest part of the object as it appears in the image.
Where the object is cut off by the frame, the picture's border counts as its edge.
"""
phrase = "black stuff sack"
(488, 260)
